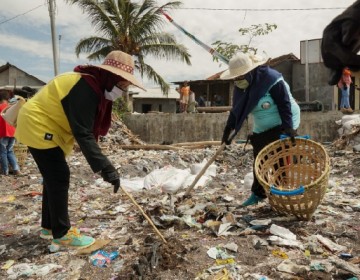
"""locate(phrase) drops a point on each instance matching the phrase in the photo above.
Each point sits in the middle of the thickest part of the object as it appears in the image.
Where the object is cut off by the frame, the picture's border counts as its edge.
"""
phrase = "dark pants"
(259, 141)
(56, 179)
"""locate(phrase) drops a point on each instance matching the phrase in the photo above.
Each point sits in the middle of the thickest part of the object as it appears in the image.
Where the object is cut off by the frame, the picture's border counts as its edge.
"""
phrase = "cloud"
(26, 40)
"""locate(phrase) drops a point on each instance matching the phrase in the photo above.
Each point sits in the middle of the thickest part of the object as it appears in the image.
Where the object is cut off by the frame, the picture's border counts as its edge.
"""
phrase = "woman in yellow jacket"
(73, 106)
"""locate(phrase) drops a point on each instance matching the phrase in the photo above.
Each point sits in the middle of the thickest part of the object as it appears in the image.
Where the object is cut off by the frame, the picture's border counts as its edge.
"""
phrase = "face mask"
(242, 84)
(114, 94)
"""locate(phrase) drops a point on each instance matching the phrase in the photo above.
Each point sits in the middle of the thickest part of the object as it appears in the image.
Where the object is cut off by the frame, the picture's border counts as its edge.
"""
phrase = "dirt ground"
(95, 210)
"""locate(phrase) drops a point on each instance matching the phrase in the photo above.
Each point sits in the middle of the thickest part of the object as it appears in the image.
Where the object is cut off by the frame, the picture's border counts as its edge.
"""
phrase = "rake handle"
(203, 170)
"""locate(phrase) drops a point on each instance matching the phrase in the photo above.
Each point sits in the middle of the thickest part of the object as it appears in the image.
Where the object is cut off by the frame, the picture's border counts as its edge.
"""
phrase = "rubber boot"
(252, 200)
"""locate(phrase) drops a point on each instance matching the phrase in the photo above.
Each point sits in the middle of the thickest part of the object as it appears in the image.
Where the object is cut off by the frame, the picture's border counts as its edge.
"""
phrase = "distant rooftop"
(155, 92)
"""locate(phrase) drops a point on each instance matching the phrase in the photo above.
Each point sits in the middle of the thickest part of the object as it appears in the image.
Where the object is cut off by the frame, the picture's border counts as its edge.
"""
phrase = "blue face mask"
(114, 94)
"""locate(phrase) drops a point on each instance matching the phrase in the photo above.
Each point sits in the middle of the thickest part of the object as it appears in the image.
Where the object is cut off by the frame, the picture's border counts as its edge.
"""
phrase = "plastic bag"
(248, 180)
(101, 258)
(197, 167)
(157, 176)
(175, 181)
(203, 181)
(11, 112)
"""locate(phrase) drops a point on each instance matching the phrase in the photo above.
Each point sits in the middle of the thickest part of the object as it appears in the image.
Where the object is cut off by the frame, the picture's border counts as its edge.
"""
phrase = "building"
(12, 77)
(153, 100)
(307, 78)
(214, 88)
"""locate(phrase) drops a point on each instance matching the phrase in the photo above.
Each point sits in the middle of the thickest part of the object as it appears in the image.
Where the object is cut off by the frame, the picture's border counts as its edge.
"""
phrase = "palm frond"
(134, 27)
(92, 44)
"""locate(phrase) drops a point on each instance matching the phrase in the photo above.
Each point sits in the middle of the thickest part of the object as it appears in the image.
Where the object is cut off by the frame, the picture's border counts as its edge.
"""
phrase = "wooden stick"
(198, 176)
(144, 214)
(197, 143)
(148, 147)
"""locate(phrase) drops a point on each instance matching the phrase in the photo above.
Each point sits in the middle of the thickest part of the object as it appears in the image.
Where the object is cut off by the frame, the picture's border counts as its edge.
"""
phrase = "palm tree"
(134, 28)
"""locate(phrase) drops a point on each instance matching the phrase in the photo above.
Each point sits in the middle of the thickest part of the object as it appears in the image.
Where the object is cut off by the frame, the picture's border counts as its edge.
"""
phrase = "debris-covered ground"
(208, 236)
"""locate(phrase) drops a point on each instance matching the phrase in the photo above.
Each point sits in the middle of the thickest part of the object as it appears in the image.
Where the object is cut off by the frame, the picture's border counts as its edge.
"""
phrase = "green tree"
(229, 49)
(134, 28)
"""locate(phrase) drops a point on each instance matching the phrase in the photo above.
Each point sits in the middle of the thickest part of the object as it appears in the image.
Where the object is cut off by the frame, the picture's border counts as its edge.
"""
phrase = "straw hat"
(121, 64)
(240, 64)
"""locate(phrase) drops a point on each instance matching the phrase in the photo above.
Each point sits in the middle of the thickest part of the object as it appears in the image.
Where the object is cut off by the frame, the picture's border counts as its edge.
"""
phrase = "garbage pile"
(208, 235)
(349, 132)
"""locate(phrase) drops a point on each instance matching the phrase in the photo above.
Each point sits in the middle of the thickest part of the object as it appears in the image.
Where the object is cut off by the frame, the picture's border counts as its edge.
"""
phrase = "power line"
(9, 19)
(263, 10)
(215, 9)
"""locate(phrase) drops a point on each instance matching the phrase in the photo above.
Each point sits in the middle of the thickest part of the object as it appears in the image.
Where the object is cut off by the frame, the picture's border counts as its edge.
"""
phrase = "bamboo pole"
(144, 214)
(148, 147)
(197, 143)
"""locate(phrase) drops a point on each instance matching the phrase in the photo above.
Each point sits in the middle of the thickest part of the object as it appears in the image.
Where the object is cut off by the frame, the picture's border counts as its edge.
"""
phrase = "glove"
(226, 134)
(110, 175)
(341, 43)
(291, 133)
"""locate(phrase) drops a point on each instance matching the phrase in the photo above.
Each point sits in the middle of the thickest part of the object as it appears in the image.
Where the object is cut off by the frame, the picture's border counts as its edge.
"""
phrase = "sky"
(25, 32)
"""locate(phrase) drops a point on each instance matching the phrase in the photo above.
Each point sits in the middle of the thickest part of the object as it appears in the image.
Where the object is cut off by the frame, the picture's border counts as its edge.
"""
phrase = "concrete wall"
(318, 86)
(177, 128)
(162, 105)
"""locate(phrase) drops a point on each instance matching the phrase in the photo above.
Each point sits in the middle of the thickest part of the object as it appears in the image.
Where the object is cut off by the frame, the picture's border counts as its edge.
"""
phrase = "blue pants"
(345, 94)
(7, 155)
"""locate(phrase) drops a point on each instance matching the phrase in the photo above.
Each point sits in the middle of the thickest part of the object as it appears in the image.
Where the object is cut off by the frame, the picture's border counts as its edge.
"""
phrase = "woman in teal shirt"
(262, 92)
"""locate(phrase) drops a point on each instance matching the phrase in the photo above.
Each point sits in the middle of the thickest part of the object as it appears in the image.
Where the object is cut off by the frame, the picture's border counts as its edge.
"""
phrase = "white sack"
(175, 182)
(155, 178)
(135, 184)
(202, 182)
(197, 167)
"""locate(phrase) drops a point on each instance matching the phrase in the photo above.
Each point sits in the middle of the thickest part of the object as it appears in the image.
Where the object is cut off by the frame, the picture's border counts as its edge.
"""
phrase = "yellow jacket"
(61, 112)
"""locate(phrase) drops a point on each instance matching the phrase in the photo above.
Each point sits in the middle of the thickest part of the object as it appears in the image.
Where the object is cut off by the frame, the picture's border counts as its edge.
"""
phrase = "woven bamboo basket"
(21, 153)
(295, 177)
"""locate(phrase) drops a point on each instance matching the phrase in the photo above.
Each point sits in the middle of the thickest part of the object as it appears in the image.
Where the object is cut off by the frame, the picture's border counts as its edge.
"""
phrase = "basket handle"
(297, 191)
(284, 136)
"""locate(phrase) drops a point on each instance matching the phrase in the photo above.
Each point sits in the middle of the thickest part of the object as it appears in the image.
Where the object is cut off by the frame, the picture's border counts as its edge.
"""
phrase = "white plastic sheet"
(197, 167)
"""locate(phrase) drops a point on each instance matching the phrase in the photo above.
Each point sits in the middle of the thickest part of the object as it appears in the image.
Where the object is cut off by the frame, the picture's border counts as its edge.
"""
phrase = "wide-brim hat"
(121, 64)
(240, 64)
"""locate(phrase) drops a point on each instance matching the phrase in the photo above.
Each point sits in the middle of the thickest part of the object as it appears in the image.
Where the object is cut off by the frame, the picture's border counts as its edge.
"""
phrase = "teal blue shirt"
(266, 113)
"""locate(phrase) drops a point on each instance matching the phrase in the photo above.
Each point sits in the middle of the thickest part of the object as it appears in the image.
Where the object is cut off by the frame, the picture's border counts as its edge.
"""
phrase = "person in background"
(184, 92)
(341, 43)
(74, 106)
(202, 100)
(7, 140)
(261, 91)
(192, 103)
(344, 85)
(25, 92)
(218, 100)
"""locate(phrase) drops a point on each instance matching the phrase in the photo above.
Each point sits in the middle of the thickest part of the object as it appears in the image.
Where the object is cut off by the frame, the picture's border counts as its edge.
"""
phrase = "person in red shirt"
(7, 140)
(344, 84)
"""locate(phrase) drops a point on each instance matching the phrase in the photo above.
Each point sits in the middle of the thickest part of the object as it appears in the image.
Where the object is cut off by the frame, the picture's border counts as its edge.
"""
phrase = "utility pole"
(53, 35)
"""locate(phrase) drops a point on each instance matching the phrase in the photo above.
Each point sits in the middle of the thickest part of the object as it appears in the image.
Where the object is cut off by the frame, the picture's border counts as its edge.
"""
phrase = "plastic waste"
(102, 258)
(282, 232)
(248, 180)
(197, 167)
